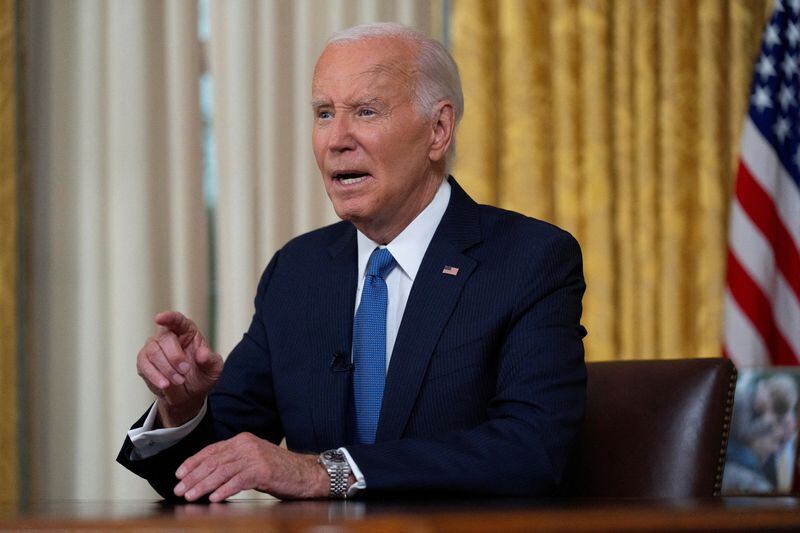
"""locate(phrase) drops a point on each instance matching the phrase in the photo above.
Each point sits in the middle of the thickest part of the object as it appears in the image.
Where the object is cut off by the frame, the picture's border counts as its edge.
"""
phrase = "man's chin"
(350, 210)
(360, 220)
(349, 215)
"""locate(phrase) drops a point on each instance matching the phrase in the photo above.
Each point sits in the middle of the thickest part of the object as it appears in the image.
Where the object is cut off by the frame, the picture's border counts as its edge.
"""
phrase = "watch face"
(333, 455)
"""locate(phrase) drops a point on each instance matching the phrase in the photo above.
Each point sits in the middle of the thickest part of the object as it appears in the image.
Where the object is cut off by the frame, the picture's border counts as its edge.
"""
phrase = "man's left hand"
(247, 462)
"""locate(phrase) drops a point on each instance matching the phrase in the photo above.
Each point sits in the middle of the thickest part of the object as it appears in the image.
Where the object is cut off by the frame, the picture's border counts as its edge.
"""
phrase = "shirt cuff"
(360, 483)
(148, 442)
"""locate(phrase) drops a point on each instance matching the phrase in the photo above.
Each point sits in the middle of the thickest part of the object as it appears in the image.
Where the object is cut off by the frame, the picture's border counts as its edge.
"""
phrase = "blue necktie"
(369, 346)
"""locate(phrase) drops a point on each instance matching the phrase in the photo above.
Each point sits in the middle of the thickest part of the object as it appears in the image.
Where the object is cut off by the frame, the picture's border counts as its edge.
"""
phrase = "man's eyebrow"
(367, 101)
(317, 103)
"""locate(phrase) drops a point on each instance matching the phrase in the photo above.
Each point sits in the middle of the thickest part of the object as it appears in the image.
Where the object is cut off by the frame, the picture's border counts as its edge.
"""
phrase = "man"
(424, 344)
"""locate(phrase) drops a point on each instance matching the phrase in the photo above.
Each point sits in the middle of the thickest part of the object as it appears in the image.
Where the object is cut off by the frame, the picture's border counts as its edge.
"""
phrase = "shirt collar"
(409, 247)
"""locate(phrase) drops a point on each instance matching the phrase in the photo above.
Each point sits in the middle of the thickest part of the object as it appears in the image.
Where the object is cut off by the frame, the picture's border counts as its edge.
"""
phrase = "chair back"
(654, 429)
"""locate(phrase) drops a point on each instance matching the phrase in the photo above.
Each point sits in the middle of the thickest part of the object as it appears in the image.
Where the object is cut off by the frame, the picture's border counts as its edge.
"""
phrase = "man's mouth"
(350, 177)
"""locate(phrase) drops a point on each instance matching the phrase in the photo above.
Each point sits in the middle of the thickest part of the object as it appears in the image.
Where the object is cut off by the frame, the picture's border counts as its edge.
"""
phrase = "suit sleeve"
(537, 409)
(242, 400)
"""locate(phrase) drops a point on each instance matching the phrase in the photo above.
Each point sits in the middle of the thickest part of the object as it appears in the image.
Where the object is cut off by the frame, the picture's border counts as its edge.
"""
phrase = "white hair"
(437, 77)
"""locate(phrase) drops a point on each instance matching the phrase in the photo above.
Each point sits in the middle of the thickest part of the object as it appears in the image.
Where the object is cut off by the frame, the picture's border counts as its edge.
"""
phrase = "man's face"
(371, 144)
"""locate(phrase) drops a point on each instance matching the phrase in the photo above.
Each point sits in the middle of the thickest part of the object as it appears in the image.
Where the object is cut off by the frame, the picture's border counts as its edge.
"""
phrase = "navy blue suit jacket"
(486, 386)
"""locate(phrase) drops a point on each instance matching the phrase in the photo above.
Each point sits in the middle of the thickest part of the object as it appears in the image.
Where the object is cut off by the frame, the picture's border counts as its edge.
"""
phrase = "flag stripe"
(786, 310)
(743, 344)
(761, 210)
(758, 310)
(765, 167)
(755, 257)
(751, 248)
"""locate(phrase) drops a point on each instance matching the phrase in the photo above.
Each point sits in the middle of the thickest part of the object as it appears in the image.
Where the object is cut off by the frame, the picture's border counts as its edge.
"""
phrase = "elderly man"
(423, 344)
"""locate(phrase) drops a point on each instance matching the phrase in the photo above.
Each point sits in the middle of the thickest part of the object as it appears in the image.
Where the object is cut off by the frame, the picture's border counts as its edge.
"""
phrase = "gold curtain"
(618, 121)
(8, 257)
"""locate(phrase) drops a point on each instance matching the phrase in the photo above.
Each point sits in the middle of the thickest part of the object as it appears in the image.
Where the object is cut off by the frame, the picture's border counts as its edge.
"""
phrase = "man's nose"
(341, 139)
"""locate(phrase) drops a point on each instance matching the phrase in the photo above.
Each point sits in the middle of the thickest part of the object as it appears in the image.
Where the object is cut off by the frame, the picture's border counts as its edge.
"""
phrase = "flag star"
(771, 36)
(792, 33)
(795, 4)
(781, 129)
(786, 97)
(765, 67)
(762, 99)
(789, 65)
(778, 6)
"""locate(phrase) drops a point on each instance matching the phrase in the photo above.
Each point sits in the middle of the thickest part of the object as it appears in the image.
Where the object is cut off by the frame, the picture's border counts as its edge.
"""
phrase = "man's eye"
(366, 113)
(324, 115)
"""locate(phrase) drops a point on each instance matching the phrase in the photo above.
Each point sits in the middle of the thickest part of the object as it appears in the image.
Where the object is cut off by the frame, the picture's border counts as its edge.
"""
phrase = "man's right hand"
(179, 367)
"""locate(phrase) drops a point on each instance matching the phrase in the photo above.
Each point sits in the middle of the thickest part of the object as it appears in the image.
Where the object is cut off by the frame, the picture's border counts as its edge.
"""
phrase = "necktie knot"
(380, 263)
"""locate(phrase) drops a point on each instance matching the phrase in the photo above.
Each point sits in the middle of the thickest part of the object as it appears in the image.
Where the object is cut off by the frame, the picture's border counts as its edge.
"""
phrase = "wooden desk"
(725, 514)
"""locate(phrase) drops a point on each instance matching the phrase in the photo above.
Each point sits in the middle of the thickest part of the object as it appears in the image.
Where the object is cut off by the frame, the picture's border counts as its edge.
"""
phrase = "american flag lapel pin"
(450, 270)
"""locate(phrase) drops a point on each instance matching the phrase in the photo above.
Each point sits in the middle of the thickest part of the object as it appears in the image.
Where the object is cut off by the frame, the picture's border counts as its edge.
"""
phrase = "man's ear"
(444, 123)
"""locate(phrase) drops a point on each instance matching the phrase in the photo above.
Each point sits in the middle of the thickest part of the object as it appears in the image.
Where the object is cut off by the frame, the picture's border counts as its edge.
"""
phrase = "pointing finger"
(175, 322)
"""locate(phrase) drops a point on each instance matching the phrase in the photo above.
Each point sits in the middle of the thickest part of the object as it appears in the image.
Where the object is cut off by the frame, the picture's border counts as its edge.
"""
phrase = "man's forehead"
(402, 72)
(369, 61)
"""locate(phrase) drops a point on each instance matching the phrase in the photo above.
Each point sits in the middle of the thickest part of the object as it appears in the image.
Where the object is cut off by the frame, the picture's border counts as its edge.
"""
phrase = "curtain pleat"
(713, 173)
(595, 170)
(645, 230)
(623, 171)
(525, 145)
(565, 89)
(677, 159)
(116, 221)
(9, 460)
(477, 155)
(619, 121)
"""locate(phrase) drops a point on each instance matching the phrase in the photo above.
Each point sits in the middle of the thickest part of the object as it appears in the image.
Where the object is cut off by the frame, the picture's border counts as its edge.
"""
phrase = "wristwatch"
(335, 463)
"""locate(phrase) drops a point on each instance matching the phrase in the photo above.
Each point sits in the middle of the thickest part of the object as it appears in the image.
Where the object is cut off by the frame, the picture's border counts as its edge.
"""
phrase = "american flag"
(450, 270)
(762, 299)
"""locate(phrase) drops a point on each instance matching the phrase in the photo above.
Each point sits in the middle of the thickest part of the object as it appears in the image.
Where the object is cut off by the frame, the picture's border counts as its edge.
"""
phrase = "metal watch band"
(338, 470)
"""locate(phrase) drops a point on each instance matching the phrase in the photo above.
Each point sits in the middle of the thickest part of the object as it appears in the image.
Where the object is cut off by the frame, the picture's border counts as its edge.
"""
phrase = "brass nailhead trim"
(725, 432)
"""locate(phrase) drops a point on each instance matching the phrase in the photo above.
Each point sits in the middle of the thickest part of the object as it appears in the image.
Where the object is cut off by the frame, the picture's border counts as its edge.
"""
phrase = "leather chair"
(654, 429)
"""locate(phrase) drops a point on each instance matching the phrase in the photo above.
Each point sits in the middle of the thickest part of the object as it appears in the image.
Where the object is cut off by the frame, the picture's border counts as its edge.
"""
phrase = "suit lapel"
(430, 304)
(330, 330)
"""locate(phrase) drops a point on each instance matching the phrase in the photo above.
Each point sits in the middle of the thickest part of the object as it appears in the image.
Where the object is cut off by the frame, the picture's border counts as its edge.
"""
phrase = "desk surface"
(719, 514)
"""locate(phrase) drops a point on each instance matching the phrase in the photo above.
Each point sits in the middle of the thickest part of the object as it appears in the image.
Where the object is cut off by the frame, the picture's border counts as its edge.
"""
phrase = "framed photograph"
(762, 447)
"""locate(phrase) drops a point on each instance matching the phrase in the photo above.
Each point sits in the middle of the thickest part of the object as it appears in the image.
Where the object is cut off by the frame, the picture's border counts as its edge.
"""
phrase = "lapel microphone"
(341, 362)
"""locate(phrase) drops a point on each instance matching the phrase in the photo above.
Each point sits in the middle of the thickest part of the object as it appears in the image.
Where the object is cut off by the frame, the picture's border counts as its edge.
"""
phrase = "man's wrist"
(337, 469)
(322, 482)
(170, 417)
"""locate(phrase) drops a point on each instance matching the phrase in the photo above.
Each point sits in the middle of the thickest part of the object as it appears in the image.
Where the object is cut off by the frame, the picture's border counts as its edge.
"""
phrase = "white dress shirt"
(408, 249)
